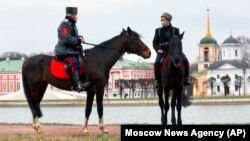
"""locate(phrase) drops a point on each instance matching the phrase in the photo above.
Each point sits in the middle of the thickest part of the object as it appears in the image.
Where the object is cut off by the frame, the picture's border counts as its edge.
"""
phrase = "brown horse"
(100, 59)
(172, 79)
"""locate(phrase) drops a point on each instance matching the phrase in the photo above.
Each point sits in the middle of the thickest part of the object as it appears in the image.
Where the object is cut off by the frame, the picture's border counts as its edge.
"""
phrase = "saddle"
(60, 70)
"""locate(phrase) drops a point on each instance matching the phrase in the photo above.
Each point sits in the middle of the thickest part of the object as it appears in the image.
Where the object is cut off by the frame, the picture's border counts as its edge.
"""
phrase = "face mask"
(163, 23)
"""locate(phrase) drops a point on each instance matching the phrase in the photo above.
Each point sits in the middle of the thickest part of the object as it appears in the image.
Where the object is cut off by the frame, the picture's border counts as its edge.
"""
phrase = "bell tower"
(208, 48)
(208, 54)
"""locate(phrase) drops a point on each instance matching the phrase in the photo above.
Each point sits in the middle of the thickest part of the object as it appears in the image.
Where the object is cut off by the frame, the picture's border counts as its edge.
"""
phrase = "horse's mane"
(107, 42)
(133, 33)
(175, 41)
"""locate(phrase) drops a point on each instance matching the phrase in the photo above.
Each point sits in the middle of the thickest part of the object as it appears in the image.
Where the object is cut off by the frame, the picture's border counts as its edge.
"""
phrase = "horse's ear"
(181, 35)
(124, 30)
(129, 30)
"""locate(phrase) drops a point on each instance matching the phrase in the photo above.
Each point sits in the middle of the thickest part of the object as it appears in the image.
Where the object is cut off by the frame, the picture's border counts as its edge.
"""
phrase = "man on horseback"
(160, 43)
(69, 47)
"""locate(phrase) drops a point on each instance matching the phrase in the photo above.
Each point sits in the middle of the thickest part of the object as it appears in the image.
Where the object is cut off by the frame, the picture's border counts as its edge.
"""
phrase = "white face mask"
(163, 23)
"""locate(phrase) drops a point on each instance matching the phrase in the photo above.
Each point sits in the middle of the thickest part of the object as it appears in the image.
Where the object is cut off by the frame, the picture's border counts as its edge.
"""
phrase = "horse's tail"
(185, 100)
(33, 103)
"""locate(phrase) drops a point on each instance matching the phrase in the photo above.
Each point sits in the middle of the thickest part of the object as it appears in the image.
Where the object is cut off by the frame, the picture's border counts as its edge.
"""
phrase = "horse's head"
(175, 49)
(134, 44)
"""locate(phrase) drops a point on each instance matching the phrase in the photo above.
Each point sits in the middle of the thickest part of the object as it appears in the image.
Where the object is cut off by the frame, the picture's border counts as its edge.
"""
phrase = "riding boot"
(77, 84)
(157, 71)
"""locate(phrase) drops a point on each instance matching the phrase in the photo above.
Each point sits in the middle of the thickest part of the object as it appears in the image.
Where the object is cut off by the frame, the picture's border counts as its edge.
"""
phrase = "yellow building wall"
(200, 86)
(213, 52)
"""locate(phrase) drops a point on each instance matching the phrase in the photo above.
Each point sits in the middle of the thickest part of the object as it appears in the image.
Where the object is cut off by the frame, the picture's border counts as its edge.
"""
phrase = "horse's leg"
(179, 106)
(89, 103)
(41, 90)
(173, 104)
(31, 90)
(99, 102)
(166, 106)
(161, 104)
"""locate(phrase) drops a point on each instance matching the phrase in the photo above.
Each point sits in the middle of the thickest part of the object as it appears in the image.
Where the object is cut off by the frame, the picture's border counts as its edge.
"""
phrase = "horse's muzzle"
(146, 53)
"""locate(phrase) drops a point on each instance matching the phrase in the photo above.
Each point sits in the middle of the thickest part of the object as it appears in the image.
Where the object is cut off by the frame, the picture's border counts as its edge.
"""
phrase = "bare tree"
(211, 83)
(12, 55)
(107, 89)
(238, 82)
(141, 83)
(120, 85)
(245, 41)
(131, 86)
(226, 81)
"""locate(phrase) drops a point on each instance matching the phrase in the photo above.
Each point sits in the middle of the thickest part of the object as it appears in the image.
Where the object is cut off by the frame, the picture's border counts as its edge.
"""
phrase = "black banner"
(192, 132)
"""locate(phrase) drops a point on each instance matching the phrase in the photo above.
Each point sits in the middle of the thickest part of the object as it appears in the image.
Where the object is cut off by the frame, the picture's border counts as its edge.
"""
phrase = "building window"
(223, 53)
(18, 86)
(206, 55)
(218, 88)
(4, 86)
(206, 66)
(236, 88)
(11, 86)
(236, 53)
(218, 76)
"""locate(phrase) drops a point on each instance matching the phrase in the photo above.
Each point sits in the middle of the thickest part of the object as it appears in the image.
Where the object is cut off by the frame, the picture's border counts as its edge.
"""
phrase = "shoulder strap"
(159, 33)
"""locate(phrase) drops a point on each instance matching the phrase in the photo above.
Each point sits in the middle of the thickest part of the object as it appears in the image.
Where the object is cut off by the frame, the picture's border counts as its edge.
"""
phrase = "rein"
(104, 46)
(109, 47)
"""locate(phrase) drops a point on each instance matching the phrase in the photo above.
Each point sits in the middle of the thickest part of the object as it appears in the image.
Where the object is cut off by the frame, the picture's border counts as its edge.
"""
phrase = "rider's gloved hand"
(82, 54)
(165, 44)
(82, 39)
(160, 51)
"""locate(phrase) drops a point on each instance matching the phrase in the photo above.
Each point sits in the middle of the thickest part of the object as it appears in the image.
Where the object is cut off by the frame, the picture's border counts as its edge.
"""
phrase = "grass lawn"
(58, 137)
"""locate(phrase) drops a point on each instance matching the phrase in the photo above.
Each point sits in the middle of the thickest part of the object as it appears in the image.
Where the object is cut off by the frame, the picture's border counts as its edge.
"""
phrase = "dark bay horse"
(172, 79)
(99, 60)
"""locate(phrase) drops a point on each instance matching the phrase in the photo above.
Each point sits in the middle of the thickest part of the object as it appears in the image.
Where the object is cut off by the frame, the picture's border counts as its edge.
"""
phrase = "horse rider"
(69, 47)
(160, 43)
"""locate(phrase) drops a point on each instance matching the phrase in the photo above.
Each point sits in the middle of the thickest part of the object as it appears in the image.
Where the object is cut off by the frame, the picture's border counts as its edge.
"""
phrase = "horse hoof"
(164, 122)
(179, 122)
(174, 122)
(85, 130)
(34, 127)
(37, 129)
(104, 130)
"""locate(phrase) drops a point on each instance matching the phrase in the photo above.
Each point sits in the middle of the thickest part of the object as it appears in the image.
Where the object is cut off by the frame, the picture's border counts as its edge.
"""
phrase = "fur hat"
(167, 15)
(71, 10)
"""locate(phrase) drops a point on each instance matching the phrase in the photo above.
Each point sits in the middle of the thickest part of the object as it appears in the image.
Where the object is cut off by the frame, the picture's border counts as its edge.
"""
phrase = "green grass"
(58, 137)
(222, 97)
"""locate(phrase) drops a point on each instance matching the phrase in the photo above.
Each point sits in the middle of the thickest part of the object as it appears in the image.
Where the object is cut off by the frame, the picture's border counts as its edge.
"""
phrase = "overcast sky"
(31, 25)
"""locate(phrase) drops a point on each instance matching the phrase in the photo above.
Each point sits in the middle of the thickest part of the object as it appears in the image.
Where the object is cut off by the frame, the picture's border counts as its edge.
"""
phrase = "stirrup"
(81, 87)
(85, 85)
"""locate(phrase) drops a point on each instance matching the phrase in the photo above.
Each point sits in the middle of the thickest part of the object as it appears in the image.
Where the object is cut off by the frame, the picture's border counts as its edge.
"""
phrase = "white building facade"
(232, 65)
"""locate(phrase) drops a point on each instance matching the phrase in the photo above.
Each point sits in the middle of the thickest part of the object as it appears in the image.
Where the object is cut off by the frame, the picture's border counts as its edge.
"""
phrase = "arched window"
(206, 54)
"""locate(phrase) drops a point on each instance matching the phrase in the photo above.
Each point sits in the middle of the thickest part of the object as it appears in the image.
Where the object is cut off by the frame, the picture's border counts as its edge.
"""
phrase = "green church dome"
(208, 40)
